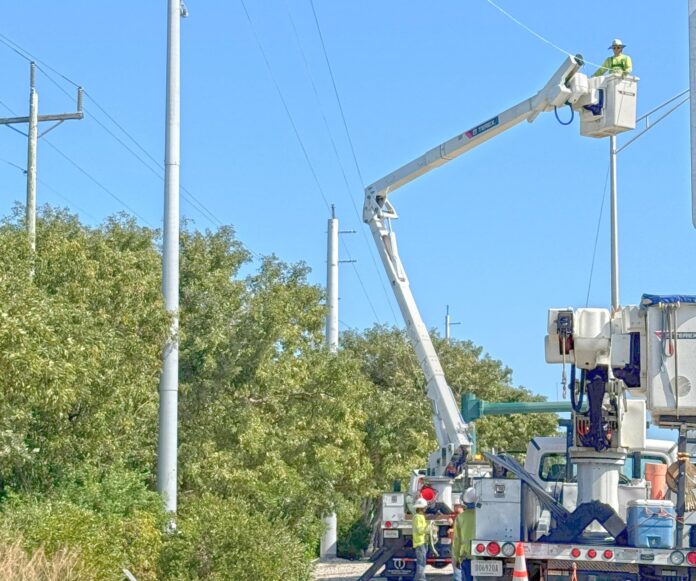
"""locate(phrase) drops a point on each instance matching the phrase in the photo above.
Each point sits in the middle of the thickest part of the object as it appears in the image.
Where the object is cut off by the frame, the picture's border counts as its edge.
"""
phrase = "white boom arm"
(450, 428)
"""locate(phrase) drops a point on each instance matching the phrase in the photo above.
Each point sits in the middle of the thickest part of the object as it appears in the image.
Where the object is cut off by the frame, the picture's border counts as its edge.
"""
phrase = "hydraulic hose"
(577, 399)
(572, 115)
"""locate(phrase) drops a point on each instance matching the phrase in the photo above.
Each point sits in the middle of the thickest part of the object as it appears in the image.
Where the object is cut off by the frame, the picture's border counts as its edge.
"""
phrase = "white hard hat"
(617, 42)
(457, 500)
(470, 496)
(421, 503)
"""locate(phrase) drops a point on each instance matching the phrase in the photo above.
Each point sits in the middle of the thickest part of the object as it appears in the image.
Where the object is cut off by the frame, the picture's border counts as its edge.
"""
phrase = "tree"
(272, 417)
(79, 348)
(399, 432)
(275, 431)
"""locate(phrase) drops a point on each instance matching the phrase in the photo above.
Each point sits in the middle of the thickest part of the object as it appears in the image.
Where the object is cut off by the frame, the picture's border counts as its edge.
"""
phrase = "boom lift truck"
(573, 530)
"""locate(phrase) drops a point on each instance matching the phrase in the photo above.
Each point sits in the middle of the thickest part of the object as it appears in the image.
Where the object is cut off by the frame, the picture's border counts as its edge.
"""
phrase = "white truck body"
(608, 431)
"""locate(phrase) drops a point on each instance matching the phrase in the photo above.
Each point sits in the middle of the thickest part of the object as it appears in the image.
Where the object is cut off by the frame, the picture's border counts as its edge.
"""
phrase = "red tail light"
(591, 554)
(493, 549)
(691, 557)
(480, 548)
(608, 554)
(388, 524)
(575, 553)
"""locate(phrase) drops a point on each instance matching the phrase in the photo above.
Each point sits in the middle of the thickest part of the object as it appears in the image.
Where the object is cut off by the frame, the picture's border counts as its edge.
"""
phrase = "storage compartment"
(671, 346)
(393, 506)
(498, 515)
(651, 524)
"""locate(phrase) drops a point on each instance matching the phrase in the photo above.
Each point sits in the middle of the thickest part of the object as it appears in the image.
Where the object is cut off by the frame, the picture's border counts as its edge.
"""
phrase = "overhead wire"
(51, 188)
(594, 250)
(296, 131)
(12, 127)
(297, 134)
(159, 172)
(97, 182)
(195, 203)
(19, 50)
(355, 160)
(338, 159)
(534, 33)
(604, 195)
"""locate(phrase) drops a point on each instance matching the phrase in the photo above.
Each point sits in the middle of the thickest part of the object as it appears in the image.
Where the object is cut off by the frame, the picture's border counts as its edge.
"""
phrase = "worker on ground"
(458, 509)
(420, 541)
(617, 63)
(464, 533)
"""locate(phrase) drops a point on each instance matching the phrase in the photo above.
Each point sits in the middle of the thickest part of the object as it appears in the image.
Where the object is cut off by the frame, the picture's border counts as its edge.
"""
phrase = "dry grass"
(18, 564)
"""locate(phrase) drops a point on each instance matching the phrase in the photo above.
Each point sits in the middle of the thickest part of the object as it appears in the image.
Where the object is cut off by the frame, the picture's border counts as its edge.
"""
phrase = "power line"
(9, 44)
(195, 203)
(19, 167)
(335, 151)
(8, 108)
(371, 251)
(97, 182)
(25, 54)
(187, 195)
(52, 189)
(285, 105)
(594, 251)
(534, 33)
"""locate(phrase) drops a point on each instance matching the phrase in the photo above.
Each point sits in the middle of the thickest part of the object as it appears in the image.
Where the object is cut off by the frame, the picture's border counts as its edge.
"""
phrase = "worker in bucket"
(420, 541)
(458, 509)
(618, 62)
(464, 533)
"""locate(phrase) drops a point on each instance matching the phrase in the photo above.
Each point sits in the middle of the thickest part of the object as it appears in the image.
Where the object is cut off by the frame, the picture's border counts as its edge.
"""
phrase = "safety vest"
(464, 533)
(618, 64)
(420, 527)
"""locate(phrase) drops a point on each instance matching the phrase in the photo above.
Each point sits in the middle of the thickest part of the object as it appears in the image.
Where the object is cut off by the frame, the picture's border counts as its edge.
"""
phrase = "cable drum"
(672, 478)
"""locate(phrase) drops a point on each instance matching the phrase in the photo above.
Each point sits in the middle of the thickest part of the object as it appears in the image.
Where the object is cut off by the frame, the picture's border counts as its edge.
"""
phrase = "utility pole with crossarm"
(33, 136)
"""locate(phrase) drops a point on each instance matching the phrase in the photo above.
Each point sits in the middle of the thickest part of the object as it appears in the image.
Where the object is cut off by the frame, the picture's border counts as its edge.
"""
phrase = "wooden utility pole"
(33, 137)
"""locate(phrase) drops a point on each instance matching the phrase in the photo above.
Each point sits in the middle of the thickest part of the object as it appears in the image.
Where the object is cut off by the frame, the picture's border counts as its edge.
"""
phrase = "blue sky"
(501, 234)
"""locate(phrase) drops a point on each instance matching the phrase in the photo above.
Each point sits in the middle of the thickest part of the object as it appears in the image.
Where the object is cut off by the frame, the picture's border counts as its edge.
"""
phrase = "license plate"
(487, 568)
(394, 534)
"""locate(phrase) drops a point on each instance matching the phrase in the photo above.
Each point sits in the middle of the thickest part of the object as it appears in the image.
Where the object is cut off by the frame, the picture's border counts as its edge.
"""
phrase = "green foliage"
(275, 431)
(228, 539)
(272, 418)
(79, 349)
(110, 520)
(398, 432)
(354, 538)
(469, 370)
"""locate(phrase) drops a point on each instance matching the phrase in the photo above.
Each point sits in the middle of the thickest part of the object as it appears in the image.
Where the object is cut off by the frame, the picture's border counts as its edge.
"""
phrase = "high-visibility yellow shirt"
(617, 64)
(464, 533)
(420, 527)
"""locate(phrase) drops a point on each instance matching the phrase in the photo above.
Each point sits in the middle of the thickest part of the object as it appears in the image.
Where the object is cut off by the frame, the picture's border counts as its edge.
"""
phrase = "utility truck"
(589, 517)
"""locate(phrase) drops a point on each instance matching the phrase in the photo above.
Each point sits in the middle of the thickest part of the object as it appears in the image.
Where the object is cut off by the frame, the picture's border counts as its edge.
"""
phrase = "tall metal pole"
(31, 161)
(447, 325)
(332, 283)
(169, 382)
(615, 301)
(327, 547)
(692, 104)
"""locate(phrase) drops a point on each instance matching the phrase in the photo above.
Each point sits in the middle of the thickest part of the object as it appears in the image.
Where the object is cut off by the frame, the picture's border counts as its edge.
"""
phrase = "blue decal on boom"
(481, 128)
